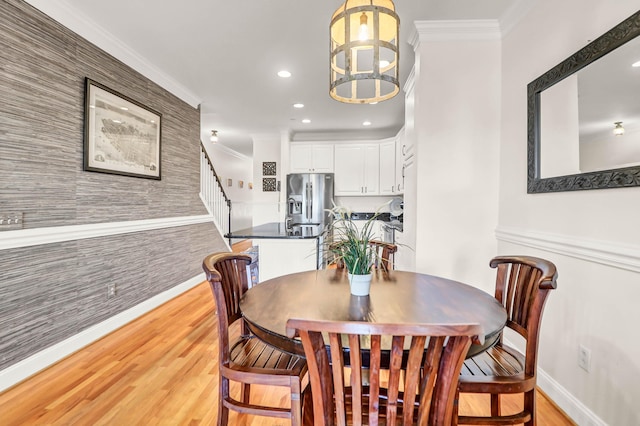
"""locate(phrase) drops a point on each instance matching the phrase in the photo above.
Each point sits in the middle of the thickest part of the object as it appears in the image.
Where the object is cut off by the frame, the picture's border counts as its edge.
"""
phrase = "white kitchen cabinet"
(388, 168)
(307, 158)
(279, 257)
(357, 169)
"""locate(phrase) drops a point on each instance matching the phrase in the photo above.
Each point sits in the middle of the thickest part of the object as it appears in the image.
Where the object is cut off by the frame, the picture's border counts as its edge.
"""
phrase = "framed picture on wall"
(121, 136)
(268, 168)
(268, 184)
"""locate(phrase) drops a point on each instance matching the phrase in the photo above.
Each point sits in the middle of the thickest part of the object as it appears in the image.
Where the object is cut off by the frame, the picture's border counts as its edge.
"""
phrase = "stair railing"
(213, 195)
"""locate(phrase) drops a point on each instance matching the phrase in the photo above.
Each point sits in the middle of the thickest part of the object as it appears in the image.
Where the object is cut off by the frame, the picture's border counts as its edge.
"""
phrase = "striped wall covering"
(50, 292)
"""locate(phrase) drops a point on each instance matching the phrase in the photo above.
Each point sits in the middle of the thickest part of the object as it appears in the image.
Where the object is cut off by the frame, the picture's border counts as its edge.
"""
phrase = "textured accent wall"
(50, 292)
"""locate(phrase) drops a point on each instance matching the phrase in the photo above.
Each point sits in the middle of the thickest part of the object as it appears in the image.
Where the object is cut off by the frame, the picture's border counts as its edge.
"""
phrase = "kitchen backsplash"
(364, 204)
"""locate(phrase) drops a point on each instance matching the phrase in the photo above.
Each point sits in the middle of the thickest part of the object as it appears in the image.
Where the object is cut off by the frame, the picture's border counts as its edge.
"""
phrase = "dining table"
(397, 297)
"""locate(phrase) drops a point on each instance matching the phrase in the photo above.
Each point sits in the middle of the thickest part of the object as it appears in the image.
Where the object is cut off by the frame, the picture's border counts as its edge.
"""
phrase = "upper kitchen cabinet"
(357, 169)
(311, 158)
(388, 168)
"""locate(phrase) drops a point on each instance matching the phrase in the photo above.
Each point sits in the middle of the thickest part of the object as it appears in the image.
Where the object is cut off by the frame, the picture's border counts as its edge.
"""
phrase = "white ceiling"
(225, 54)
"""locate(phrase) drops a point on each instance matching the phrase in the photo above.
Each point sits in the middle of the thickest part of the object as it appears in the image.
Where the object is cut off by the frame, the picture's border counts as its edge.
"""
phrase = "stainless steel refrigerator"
(309, 195)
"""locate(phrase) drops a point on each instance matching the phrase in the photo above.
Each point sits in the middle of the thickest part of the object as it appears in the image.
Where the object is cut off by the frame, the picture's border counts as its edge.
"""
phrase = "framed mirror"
(583, 117)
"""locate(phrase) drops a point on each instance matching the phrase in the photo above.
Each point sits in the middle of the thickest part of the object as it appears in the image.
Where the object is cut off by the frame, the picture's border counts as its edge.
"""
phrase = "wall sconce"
(214, 136)
(618, 130)
(364, 52)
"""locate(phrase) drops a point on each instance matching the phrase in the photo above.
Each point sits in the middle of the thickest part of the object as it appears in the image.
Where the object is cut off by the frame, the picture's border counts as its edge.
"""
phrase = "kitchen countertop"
(277, 230)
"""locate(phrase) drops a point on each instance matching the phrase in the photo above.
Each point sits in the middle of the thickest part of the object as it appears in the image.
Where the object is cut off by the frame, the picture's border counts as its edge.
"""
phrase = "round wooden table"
(396, 297)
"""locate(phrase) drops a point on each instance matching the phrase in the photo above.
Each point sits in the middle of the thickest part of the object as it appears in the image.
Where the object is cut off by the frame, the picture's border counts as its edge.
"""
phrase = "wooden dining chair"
(246, 359)
(522, 286)
(384, 253)
(429, 370)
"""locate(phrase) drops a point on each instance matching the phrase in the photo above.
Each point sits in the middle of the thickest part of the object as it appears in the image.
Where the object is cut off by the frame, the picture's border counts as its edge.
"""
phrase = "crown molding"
(229, 151)
(62, 12)
(453, 30)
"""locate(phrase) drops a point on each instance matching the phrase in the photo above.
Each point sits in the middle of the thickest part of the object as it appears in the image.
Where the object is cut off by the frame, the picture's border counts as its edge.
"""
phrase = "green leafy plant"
(349, 244)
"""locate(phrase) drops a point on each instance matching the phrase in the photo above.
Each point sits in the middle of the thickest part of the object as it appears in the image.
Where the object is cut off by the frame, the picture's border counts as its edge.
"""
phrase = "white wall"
(230, 164)
(267, 206)
(605, 150)
(592, 236)
(457, 131)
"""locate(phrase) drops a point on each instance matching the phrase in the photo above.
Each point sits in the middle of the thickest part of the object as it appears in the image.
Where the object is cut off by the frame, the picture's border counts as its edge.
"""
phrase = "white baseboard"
(568, 403)
(49, 356)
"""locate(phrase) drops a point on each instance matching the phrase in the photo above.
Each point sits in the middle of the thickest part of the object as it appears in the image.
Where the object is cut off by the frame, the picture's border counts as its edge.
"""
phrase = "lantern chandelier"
(364, 52)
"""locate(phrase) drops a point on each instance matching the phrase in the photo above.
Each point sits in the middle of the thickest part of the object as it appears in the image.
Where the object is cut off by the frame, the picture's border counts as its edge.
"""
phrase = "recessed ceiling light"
(306, 121)
(298, 105)
(284, 74)
(366, 123)
(636, 64)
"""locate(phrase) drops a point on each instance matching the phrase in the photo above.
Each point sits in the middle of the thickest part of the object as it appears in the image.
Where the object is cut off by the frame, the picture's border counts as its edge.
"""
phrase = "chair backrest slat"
(226, 273)
(522, 286)
(424, 360)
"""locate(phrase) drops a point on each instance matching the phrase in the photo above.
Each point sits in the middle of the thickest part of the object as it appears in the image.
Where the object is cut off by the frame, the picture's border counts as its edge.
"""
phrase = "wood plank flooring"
(159, 370)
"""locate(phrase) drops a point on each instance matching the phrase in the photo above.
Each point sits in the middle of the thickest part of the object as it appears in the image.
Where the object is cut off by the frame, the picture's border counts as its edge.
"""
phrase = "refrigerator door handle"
(309, 200)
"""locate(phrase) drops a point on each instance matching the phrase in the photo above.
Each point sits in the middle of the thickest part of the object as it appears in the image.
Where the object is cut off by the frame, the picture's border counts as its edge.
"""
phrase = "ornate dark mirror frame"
(613, 178)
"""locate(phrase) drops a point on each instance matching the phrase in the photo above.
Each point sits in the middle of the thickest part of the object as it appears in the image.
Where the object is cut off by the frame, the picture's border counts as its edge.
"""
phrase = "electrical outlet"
(111, 291)
(584, 358)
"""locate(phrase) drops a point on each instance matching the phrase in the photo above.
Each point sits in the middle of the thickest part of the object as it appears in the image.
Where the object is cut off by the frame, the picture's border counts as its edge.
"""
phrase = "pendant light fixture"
(214, 136)
(364, 52)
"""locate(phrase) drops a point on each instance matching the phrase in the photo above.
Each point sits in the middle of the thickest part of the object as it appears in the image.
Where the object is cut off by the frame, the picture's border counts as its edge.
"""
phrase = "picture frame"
(268, 184)
(121, 136)
(268, 168)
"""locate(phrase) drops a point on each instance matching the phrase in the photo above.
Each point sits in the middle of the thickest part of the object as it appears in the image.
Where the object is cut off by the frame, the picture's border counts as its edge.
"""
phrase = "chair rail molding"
(57, 234)
(609, 253)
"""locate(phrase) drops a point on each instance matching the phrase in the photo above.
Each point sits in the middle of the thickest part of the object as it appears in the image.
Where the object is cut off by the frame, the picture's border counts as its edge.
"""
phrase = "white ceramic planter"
(359, 284)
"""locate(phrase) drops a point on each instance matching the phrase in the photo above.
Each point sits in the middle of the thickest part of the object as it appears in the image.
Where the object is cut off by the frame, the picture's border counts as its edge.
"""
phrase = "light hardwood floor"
(158, 370)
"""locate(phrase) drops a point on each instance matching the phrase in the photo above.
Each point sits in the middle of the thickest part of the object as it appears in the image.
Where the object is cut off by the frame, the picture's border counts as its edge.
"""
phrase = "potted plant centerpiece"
(350, 247)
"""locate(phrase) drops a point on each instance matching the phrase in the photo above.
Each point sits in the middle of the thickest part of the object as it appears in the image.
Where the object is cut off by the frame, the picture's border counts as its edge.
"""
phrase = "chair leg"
(495, 404)
(530, 406)
(456, 406)
(296, 402)
(223, 393)
(307, 407)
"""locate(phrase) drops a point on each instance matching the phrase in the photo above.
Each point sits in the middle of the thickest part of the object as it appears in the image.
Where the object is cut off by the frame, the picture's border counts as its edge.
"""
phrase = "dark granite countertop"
(277, 230)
